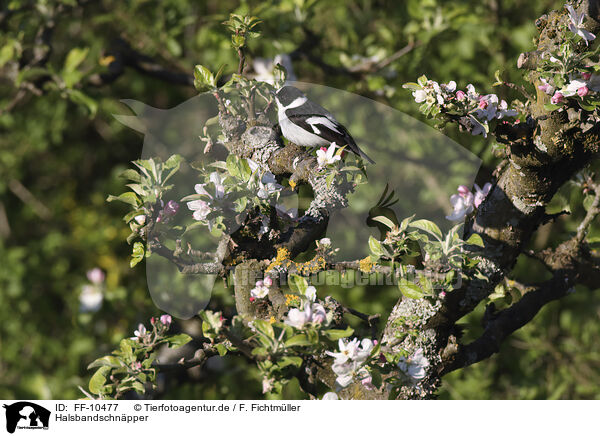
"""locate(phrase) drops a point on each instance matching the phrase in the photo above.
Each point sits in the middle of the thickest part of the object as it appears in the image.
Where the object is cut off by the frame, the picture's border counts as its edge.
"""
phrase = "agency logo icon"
(26, 415)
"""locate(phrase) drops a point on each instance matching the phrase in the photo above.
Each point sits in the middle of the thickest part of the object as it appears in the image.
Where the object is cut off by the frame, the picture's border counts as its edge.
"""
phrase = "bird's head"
(287, 94)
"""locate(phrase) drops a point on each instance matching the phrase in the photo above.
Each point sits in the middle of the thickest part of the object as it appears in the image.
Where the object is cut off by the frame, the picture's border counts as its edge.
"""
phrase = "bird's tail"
(364, 155)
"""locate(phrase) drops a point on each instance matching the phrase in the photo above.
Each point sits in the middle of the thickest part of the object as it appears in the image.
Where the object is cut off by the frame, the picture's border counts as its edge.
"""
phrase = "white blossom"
(330, 396)
(90, 298)
(268, 185)
(260, 290)
(327, 156)
(414, 366)
(572, 88)
(348, 351)
(201, 209)
(140, 332)
(576, 25)
(462, 205)
(312, 313)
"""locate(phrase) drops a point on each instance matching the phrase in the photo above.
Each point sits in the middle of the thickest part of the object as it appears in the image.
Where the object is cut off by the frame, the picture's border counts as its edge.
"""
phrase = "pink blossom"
(483, 103)
(463, 190)
(268, 281)
(95, 275)
(460, 95)
(166, 320)
(586, 76)
(557, 98)
(583, 91)
(481, 193)
(546, 87)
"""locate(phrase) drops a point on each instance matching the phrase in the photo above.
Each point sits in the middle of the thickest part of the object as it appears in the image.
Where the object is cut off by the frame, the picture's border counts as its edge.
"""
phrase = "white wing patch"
(324, 121)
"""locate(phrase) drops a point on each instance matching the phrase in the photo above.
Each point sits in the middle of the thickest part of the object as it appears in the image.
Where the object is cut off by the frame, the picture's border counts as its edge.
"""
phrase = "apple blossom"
(171, 208)
(572, 88)
(166, 320)
(414, 366)
(325, 242)
(201, 209)
(348, 351)
(140, 332)
(330, 396)
(95, 275)
(268, 185)
(90, 298)
(420, 95)
(311, 293)
(481, 193)
(546, 87)
(576, 25)
(260, 290)
(460, 95)
(327, 156)
(462, 205)
(312, 313)
(583, 91)
(557, 98)
(140, 219)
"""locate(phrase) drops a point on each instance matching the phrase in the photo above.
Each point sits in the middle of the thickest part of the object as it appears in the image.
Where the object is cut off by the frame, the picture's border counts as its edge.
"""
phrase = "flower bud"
(460, 95)
(557, 98)
(171, 208)
(583, 91)
(166, 320)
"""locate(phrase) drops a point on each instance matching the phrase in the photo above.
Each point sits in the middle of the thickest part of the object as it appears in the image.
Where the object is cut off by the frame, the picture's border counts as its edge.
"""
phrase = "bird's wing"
(321, 126)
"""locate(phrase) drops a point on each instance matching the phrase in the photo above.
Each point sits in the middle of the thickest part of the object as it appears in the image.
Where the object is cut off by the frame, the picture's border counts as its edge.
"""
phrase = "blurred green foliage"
(61, 149)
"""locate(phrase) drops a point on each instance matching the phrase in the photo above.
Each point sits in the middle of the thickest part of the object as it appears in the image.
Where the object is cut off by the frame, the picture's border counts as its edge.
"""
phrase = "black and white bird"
(307, 124)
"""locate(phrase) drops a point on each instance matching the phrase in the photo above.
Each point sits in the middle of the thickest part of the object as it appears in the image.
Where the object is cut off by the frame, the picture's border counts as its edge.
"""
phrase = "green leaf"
(75, 57)
(385, 221)
(203, 79)
(177, 341)
(137, 254)
(475, 239)
(551, 107)
(126, 346)
(375, 247)
(98, 379)
(238, 41)
(127, 197)
(409, 289)
(335, 334)
(7, 52)
(110, 361)
(132, 175)
(290, 361)
(297, 284)
(298, 341)
(265, 328)
(221, 349)
(429, 227)
(413, 86)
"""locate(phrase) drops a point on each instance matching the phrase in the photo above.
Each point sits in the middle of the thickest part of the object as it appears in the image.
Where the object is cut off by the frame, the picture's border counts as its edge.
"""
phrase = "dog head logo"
(26, 415)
